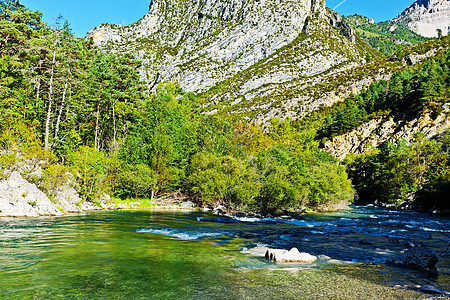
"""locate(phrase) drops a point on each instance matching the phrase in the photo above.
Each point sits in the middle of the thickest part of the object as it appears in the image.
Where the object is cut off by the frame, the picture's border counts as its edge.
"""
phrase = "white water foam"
(182, 235)
(304, 223)
(433, 230)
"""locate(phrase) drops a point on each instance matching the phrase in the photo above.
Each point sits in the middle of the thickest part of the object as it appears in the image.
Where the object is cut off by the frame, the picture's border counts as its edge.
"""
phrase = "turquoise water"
(163, 255)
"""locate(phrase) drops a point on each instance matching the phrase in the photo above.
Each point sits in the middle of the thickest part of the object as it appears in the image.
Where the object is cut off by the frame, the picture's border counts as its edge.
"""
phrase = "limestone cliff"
(377, 131)
(262, 58)
(426, 17)
(200, 43)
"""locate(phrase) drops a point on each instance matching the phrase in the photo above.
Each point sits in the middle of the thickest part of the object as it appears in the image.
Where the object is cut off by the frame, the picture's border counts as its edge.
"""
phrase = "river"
(196, 255)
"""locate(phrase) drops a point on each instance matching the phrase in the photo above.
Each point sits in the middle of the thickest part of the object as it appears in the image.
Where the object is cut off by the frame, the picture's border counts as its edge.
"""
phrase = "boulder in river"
(418, 258)
(280, 255)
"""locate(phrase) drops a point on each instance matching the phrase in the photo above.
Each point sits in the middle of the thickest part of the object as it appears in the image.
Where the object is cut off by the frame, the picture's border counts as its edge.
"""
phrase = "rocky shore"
(20, 198)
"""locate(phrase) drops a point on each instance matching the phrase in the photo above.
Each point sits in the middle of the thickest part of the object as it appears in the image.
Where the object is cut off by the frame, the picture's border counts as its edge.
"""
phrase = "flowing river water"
(164, 255)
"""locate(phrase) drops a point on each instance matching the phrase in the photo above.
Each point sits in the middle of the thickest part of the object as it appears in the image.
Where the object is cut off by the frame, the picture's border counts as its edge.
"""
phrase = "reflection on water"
(162, 255)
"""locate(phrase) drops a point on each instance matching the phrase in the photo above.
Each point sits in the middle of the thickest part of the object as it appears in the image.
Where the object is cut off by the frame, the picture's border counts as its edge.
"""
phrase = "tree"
(17, 25)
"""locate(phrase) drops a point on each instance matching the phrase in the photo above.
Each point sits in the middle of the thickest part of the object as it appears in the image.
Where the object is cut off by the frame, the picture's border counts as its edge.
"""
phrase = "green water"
(100, 256)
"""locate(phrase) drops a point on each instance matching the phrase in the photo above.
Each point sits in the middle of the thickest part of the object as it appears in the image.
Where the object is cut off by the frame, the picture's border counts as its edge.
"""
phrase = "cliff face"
(200, 43)
(256, 57)
(375, 132)
(426, 17)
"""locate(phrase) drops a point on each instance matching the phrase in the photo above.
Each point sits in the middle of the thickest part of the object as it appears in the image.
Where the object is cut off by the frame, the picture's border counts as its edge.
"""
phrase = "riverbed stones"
(280, 255)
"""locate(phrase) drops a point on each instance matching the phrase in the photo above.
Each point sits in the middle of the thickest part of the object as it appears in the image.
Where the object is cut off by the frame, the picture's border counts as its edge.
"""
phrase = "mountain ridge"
(263, 50)
(427, 17)
(222, 36)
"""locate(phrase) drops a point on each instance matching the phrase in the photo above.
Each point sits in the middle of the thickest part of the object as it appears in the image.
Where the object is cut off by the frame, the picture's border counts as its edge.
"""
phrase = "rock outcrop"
(19, 198)
(377, 131)
(426, 17)
(200, 43)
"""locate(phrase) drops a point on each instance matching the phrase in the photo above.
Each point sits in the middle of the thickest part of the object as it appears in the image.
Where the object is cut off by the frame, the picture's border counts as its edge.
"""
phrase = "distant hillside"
(386, 37)
(429, 18)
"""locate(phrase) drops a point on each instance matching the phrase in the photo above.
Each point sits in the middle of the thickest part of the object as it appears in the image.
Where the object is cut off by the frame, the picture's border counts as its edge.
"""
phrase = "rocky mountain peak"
(199, 16)
(427, 17)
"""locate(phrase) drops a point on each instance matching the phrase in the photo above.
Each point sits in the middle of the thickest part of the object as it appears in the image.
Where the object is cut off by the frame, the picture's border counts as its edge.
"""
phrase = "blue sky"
(84, 15)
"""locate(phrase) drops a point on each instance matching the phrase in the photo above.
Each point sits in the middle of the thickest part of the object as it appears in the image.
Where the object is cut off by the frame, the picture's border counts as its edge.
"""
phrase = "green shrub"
(137, 181)
(7, 162)
(295, 181)
(89, 167)
(222, 178)
(53, 177)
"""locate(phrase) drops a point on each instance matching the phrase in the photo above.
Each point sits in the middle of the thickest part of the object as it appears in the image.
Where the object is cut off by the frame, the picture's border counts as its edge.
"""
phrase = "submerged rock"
(428, 289)
(417, 258)
(293, 255)
(365, 242)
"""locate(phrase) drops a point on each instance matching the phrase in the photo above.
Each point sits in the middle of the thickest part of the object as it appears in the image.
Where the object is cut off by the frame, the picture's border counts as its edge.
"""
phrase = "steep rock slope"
(425, 17)
(200, 43)
(375, 132)
(260, 58)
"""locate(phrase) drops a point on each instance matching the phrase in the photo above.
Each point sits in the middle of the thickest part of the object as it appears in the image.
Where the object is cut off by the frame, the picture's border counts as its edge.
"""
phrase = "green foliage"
(89, 167)
(216, 160)
(137, 181)
(386, 37)
(220, 178)
(53, 177)
(164, 135)
(295, 181)
(7, 162)
(396, 170)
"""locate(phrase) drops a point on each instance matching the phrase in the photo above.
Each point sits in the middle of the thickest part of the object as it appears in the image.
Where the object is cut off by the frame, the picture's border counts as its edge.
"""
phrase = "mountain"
(427, 17)
(261, 58)
(384, 36)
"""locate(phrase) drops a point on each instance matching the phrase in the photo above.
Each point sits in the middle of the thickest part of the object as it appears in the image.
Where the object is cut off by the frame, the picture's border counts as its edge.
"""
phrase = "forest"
(85, 116)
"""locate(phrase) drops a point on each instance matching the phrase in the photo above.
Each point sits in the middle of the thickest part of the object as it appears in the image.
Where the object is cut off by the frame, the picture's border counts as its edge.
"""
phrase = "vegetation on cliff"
(386, 37)
(424, 89)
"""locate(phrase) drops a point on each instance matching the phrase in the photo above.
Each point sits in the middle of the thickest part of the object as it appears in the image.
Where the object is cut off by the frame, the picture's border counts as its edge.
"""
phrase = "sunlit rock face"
(273, 51)
(223, 37)
(427, 17)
